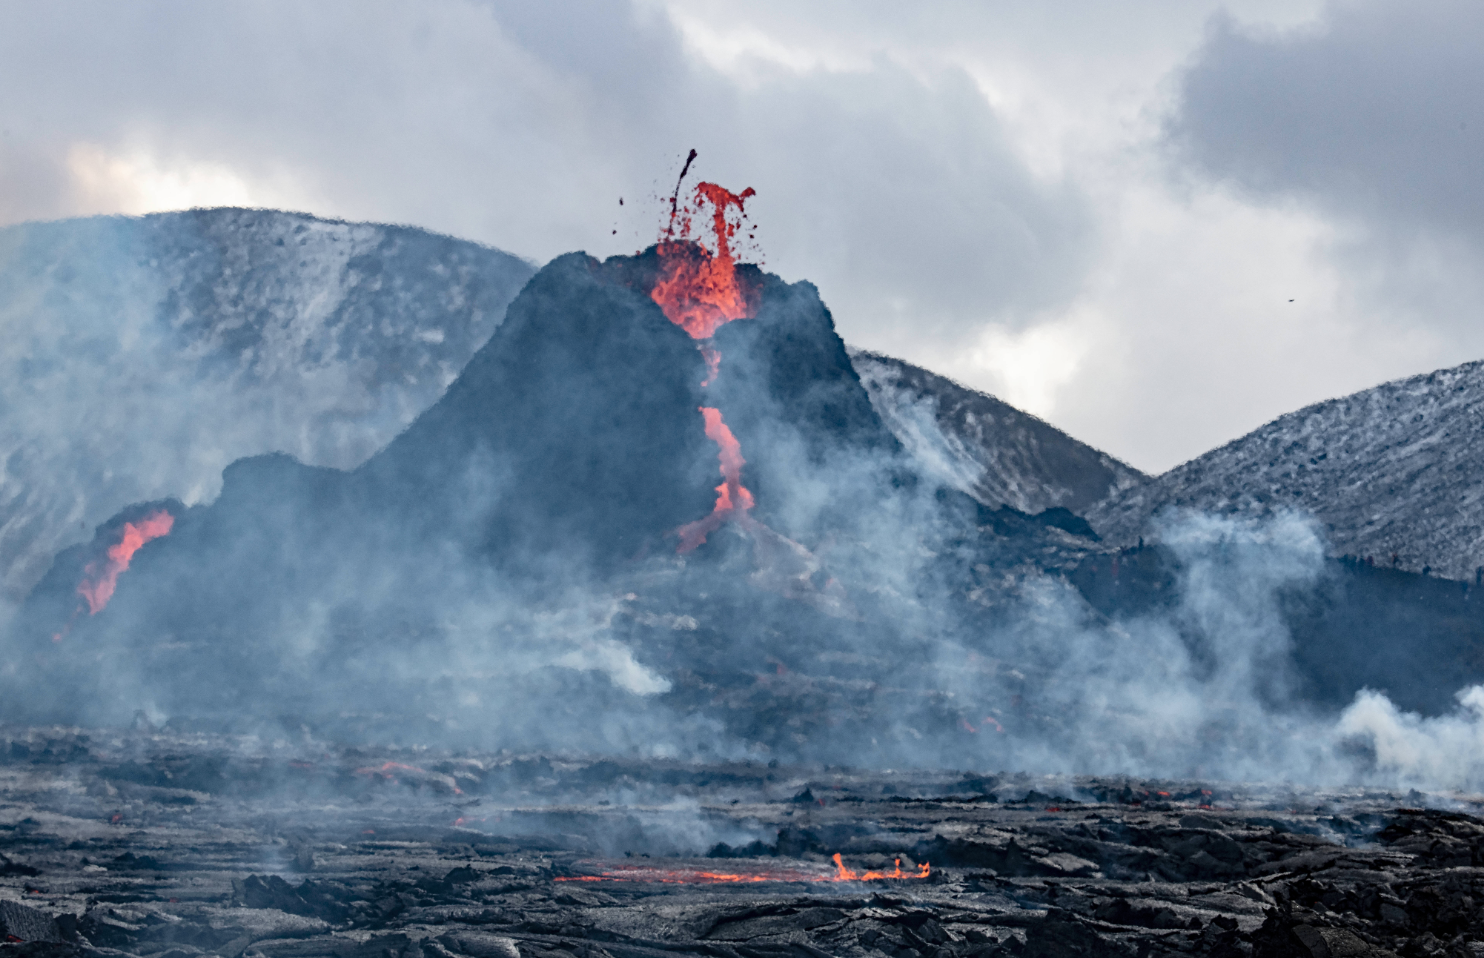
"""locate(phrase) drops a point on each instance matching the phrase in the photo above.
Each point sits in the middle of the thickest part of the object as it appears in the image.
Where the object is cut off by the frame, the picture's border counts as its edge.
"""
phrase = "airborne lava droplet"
(99, 581)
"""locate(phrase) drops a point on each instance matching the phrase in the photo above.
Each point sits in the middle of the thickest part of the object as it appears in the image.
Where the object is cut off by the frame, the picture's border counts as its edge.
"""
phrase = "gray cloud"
(520, 125)
(902, 197)
(1377, 113)
(909, 195)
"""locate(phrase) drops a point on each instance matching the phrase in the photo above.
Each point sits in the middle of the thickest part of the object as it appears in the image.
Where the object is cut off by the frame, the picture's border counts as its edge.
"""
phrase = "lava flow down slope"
(657, 514)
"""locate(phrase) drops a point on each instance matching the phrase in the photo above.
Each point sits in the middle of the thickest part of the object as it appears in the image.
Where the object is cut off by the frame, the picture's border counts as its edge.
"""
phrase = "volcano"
(663, 517)
(565, 460)
(658, 575)
(668, 571)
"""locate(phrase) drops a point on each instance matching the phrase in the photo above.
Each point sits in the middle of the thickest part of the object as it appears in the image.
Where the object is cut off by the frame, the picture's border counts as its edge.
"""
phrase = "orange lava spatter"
(697, 287)
(845, 874)
(100, 580)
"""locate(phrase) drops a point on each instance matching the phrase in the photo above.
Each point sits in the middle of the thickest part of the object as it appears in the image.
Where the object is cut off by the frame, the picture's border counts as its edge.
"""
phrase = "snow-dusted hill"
(140, 356)
(991, 450)
(1397, 469)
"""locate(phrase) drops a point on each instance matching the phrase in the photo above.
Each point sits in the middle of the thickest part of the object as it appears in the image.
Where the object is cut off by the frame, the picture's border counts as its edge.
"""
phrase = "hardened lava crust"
(174, 845)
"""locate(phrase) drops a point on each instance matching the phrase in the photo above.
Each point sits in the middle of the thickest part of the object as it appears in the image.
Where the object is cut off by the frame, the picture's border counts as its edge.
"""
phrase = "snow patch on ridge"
(1392, 469)
(973, 442)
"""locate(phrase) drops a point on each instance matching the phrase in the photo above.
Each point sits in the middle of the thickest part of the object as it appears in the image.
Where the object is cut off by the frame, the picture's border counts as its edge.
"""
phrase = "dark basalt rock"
(23, 924)
(580, 419)
(394, 876)
(1063, 935)
(8, 867)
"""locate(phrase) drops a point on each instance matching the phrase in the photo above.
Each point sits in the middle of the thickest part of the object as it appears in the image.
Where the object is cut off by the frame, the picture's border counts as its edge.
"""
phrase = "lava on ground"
(175, 845)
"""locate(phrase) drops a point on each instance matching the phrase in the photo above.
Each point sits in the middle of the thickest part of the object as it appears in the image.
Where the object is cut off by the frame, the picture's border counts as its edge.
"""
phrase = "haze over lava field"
(890, 568)
(653, 518)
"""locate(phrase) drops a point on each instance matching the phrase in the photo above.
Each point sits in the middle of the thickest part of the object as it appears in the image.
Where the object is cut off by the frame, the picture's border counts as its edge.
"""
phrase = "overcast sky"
(1157, 225)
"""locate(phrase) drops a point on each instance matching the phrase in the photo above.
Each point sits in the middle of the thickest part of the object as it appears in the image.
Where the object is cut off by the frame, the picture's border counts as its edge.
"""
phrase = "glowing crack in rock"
(732, 498)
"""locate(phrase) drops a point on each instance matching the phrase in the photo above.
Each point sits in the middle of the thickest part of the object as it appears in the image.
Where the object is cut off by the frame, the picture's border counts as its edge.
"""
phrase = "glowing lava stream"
(731, 496)
(98, 584)
(696, 876)
(698, 291)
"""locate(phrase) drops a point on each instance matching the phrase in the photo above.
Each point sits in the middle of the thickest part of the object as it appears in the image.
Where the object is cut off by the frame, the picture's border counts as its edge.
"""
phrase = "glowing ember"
(691, 875)
(731, 496)
(98, 583)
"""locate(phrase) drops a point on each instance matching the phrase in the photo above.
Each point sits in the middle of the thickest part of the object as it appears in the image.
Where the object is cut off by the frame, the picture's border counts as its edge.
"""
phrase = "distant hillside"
(1393, 469)
(142, 355)
(975, 443)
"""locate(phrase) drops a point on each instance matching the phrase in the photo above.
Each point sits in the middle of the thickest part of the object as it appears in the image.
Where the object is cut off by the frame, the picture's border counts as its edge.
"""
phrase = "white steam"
(1442, 752)
(1203, 690)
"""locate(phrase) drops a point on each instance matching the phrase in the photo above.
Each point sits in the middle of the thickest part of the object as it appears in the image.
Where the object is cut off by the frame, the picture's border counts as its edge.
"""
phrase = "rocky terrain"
(143, 355)
(174, 845)
(987, 448)
(1389, 472)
